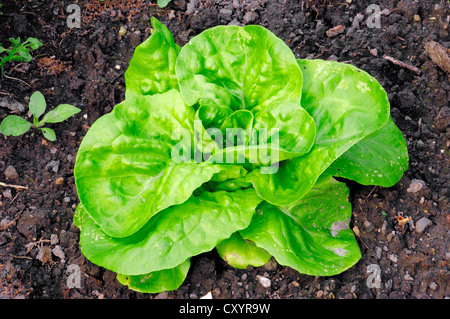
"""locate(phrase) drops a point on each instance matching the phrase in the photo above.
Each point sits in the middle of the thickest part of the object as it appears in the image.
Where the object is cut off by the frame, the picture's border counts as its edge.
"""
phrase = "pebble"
(59, 181)
(271, 265)
(250, 16)
(58, 252)
(54, 165)
(335, 31)
(378, 252)
(8, 194)
(122, 31)
(225, 14)
(393, 258)
(422, 224)
(12, 105)
(415, 186)
(11, 173)
(162, 295)
(408, 276)
(264, 281)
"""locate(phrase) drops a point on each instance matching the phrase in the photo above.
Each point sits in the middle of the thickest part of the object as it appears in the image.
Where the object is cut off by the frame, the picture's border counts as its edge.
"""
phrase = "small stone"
(7, 194)
(54, 165)
(388, 284)
(59, 181)
(356, 231)
(217, 292)
(225, 14)
(378, 252)
(58, 252)
(374, 52)
(417, 18)
(271, 265)
(408, 277)
(12, 105)
(264, 281)
(54, 239)
(415, 186)
(434, 286)
(250, 16)
(162, 295)
(393, 258)
(11, 173)
(422, 224)
(335, 31)
(122, 31)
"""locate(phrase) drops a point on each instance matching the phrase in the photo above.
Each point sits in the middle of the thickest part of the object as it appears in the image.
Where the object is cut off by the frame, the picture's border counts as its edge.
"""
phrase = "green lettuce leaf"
(312, 235)
(379, 159)
(347, 104)
(125, 171)
(240, 253)
(171, 236)
(157, 281)
(152, 68)
(247, 79)
(239, 68)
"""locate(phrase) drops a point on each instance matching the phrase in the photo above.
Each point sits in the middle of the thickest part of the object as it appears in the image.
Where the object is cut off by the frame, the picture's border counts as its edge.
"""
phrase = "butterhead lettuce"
(231, 142)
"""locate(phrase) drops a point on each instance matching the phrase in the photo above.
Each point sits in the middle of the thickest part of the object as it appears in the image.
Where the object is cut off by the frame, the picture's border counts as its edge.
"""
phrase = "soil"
(85, 67)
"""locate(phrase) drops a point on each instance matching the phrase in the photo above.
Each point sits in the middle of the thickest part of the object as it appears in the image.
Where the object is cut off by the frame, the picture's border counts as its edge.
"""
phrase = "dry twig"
(402, 64)
(13, 186)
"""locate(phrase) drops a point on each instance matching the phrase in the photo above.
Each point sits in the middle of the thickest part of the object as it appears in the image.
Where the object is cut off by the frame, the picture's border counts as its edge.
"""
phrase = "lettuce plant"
(231, 143)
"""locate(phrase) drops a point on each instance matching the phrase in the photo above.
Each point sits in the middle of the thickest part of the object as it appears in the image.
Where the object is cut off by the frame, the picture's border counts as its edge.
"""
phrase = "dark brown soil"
(38, 241)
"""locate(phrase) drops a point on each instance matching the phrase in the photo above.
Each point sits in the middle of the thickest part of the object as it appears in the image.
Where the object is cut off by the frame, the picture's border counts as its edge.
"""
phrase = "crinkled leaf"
(347, 104)
(278, 132)
(379, 159)
(125, 172)
(171, 236)
(14, 125)
(239, 68)
(152, 68)
(240, 253)
(312, 235)
(157, 281)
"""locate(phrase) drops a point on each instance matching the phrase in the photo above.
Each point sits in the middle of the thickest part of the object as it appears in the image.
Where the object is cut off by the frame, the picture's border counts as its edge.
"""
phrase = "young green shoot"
(15, 125)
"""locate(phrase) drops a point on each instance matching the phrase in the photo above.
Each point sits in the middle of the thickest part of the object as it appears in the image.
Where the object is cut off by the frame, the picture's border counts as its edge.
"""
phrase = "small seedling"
(15, 125)
(19, 51)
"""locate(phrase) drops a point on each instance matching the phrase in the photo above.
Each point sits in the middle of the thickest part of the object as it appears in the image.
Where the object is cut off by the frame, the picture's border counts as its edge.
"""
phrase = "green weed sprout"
(15, 125)
(19, 51)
